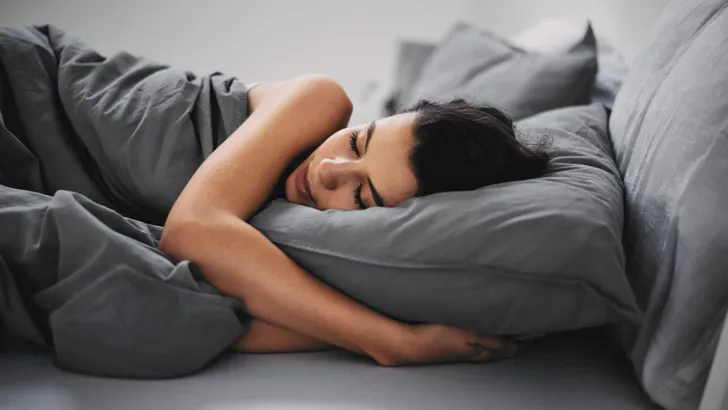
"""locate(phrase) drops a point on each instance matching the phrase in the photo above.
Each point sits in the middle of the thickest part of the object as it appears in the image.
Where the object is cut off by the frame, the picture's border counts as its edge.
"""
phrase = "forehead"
(388, 159)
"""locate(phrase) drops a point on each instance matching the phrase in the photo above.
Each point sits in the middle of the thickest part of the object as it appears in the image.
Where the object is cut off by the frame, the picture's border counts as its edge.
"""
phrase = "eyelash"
(352, 143)
(357, 191)
(357, 197)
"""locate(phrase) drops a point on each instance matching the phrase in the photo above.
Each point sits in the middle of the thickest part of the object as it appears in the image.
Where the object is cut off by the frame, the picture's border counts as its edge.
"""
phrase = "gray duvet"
(86, 144)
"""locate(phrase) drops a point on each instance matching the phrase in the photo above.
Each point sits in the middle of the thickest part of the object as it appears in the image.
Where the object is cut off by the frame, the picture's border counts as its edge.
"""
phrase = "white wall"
(353, 41)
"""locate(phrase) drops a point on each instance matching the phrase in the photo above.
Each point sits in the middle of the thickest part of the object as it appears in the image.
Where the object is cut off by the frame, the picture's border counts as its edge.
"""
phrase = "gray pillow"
(556, 35)
(479, 66)
(519, 258)
(411, 57)
(670, 131)
(612, 70)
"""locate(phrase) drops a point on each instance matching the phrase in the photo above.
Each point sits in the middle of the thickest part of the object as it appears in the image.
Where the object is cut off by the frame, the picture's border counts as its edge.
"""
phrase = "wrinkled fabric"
(670, 133)
(476, 65)
(94, 151)
(521, 258)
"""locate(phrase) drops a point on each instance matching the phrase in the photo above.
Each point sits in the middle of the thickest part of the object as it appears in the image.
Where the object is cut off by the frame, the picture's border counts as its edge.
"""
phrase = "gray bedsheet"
(86, 144)
(569, 371)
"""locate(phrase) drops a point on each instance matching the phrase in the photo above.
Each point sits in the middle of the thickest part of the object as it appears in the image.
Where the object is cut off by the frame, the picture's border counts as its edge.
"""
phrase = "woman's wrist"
(391, 348)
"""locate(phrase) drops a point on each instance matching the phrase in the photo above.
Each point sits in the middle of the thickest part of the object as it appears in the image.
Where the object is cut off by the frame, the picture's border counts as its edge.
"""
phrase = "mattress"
(575, 370)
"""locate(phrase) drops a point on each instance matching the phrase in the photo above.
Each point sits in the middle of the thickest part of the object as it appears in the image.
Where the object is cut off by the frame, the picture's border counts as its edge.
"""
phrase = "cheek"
(341, 199)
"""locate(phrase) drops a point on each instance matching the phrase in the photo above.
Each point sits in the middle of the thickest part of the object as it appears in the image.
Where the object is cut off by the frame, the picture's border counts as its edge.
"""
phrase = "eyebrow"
(375, 194)
(370, 133)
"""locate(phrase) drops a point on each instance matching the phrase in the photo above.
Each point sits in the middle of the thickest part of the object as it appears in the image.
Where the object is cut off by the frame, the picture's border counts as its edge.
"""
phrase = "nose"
(334, 172)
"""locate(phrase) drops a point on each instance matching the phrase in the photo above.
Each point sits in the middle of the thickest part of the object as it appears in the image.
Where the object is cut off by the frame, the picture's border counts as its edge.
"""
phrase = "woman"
(432, 148)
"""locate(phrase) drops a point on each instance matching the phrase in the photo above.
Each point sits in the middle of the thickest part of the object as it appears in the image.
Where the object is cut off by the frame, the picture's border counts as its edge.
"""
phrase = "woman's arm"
(263, 337)
(207, 223)
(207, 226)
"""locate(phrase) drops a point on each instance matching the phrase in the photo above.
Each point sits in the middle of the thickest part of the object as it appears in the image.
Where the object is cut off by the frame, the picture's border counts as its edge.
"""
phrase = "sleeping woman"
(296, 144)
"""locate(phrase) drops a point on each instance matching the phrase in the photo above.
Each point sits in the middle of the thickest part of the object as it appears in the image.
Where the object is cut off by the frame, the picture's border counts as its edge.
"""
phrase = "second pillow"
(478, 66)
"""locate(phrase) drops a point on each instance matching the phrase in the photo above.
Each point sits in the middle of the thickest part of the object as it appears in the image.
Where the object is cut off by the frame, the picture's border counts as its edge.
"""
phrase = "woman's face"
(358, 168)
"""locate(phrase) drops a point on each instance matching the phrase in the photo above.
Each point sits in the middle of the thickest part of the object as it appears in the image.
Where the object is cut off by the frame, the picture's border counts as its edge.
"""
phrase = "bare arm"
(207, 223)
(262, 337)
(207, 226)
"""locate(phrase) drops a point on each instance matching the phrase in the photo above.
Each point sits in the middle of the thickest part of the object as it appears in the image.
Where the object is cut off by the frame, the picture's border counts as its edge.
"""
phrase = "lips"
(303, 185)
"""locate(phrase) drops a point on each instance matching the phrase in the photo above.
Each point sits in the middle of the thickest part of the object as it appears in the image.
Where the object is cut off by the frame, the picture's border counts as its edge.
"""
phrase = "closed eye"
(352, 143)
(357, 197)
(357, 192)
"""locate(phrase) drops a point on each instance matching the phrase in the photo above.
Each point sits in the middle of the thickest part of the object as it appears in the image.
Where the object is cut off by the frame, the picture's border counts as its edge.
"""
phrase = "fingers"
(495, 348)
(497, 343)
(490, 342)
(484, 355)
(487, 355)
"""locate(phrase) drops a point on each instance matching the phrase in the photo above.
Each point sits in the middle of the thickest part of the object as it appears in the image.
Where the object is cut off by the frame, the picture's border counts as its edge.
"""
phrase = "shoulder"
(319, 90)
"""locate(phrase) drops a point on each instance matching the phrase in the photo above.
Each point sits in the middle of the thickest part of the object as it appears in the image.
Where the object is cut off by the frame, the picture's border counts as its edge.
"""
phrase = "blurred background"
(353, 41)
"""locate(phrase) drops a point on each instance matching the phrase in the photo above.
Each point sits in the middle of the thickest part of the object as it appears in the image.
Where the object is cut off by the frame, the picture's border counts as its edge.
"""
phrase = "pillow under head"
(518, 258)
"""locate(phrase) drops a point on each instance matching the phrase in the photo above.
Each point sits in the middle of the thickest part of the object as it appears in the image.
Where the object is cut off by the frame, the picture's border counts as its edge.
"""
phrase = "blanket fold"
(94, 151)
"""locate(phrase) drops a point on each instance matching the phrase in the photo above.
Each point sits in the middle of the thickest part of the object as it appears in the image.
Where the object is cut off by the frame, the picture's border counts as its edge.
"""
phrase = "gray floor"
(569, 371)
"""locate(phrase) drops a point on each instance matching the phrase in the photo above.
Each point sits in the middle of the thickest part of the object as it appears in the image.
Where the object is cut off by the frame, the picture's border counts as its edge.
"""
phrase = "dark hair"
(461, 146)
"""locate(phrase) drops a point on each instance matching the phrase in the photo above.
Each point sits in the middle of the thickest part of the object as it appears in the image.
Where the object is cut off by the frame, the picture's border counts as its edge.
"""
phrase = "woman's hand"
(436, 344)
